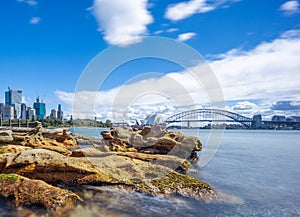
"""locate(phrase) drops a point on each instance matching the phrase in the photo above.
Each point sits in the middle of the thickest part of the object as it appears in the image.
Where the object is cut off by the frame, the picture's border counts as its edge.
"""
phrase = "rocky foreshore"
(35, 164)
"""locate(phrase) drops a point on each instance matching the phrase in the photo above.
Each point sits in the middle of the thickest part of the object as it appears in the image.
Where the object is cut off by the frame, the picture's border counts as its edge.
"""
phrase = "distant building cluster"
(59, 114)
(14, 109)
(277, 120)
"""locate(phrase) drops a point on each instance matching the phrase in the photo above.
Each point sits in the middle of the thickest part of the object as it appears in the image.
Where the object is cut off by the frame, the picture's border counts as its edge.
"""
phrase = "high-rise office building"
(23, 111)
(30, 114)
(53, 114)
(40, 109)
(14, 98)
(1, 110)
(60, 113)
(8, 112)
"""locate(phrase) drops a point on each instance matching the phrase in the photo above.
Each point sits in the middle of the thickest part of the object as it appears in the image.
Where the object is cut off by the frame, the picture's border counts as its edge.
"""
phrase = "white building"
(31, 113)
(154, 119)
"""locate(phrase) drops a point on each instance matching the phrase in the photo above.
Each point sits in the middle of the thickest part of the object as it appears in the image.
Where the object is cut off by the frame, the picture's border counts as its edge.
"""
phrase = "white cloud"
(268, 73)
(35, 20)
(244, 105)
(122, 21)
(294, 33)
(183, 10)
(168, 31)
(186, 36)
(172, 30)
(290, 7)
(158, 32)
(29, 2)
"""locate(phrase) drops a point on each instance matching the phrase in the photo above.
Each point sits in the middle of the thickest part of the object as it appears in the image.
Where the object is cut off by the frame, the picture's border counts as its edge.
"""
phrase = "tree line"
(54, 122)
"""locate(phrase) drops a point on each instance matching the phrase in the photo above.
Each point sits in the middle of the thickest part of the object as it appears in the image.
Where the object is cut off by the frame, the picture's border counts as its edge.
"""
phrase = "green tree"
(108, 123)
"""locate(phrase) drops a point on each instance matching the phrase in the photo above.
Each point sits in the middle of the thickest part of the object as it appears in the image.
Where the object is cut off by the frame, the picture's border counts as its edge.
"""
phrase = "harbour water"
(257, 173)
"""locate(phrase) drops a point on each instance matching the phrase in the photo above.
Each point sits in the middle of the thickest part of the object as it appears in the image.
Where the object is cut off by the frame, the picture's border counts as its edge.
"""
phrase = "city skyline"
(251, 46)
(58, 114)
(14, 108)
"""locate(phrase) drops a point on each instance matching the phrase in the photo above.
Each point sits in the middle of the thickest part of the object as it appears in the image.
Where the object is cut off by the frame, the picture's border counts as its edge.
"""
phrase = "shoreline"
(48, 161)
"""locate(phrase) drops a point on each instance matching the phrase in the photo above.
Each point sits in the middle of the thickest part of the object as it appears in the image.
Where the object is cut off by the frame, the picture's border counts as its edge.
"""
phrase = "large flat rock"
(141, 175)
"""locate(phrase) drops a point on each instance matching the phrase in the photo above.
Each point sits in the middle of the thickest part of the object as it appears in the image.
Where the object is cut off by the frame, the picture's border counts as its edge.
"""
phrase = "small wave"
(224, 197)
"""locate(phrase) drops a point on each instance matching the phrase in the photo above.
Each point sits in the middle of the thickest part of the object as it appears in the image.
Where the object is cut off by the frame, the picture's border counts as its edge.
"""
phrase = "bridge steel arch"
(179, 117)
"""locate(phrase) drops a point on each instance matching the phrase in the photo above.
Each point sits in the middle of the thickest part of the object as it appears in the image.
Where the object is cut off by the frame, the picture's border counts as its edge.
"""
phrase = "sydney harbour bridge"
(223, 116)
(208, 115)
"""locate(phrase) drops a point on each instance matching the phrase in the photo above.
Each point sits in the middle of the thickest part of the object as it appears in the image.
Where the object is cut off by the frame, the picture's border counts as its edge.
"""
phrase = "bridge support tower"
(256, 122)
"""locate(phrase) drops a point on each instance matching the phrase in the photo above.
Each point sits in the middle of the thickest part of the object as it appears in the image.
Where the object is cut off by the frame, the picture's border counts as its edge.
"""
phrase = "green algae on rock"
(177, 184)
(10, 177)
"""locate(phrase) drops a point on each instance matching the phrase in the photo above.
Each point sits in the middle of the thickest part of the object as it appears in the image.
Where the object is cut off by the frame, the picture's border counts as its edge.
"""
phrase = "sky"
(251, 46)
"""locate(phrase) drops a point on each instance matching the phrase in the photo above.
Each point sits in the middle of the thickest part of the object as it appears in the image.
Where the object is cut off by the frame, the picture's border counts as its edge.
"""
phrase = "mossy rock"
(24, 191)
(184, 167)
(10, 177)
(178, 184)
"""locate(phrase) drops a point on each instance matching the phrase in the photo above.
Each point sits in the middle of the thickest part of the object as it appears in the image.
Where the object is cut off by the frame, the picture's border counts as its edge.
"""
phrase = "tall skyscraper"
(1, 110)
(53, 114)
(40, 109)
(30, 113)
(14, 98)
(60, 113)
(23, 111)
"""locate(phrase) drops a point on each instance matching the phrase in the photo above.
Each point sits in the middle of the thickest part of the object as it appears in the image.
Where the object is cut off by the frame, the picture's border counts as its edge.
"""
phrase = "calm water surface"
(256, 172)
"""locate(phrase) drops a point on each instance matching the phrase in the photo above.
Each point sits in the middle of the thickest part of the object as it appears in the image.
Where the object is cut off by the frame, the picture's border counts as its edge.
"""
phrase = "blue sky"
(252, 46)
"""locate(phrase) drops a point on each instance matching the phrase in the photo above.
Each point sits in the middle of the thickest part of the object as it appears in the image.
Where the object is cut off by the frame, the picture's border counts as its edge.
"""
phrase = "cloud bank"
(270, 70)
(258, 80)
